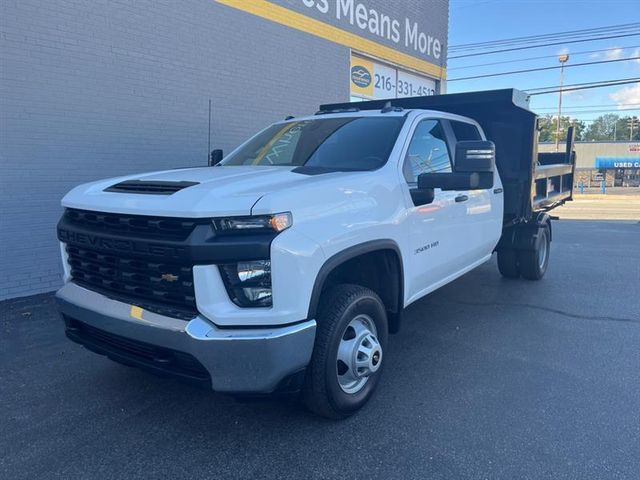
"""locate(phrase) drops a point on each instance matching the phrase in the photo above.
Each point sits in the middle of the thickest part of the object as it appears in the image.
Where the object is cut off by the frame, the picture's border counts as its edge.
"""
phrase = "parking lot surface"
(489, 378)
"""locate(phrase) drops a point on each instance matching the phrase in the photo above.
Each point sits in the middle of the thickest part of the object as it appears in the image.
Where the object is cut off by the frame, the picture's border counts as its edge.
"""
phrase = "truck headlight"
(248, 283)
(253, 223)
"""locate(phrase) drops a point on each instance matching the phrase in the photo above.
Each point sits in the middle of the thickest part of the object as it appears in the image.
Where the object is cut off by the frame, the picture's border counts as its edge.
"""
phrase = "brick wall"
(96, 88)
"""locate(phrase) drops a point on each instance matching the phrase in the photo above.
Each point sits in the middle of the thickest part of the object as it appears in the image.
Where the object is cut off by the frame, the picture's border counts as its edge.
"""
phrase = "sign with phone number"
(375, 80)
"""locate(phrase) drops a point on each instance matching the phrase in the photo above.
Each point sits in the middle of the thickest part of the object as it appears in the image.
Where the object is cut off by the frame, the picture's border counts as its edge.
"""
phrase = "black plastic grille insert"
(164, 288)
(158, 228)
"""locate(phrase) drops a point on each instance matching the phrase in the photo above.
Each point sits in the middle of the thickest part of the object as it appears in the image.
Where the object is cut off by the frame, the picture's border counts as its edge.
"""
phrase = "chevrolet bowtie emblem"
(169, 277)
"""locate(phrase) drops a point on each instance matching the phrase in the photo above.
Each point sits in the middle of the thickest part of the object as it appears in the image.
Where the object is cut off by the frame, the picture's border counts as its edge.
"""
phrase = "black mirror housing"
(456, 181)
(422, 196)
(215, 157)
(475, 156)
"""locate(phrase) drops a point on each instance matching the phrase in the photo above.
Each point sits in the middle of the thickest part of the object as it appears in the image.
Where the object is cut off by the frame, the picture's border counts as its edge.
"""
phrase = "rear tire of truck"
(533, 263)
(508, 263)
(347, 359)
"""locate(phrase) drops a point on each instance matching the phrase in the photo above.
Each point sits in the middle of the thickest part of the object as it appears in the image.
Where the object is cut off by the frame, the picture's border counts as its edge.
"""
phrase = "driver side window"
(428, 151)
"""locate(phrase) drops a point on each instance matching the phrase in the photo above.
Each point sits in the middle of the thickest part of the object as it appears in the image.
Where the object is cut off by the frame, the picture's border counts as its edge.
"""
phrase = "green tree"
(623, 129)
(612, 127)
(548, 128)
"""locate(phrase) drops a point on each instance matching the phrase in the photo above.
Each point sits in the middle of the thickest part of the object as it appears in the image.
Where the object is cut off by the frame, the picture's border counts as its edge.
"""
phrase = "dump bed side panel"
(553, 178)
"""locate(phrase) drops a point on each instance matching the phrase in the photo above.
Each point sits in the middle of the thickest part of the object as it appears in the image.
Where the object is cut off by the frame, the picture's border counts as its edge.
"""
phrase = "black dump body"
(530, 183)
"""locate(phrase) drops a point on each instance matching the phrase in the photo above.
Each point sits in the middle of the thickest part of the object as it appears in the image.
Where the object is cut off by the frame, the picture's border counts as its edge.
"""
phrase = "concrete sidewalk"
(601, 207)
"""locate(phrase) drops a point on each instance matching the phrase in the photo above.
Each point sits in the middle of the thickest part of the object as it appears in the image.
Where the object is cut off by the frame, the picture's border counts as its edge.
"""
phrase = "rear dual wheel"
(531, 264)
(508, 263)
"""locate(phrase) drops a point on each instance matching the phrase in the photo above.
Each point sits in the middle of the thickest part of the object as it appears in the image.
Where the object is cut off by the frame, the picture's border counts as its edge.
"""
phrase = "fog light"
(258, 295)
(260, 269)
(248, 283)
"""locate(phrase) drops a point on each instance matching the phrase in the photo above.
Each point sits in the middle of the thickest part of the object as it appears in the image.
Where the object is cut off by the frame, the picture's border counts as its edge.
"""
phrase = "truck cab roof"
(400, 112)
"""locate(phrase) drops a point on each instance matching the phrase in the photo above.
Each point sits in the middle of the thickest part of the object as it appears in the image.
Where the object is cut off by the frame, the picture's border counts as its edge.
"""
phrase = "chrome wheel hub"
(359, 354)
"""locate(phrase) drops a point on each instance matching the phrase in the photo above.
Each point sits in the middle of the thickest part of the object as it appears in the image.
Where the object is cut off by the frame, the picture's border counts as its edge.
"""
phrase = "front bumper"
(234, 360)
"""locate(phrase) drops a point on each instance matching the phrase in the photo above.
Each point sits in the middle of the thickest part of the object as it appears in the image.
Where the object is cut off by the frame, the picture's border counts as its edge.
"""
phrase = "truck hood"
(220, 191)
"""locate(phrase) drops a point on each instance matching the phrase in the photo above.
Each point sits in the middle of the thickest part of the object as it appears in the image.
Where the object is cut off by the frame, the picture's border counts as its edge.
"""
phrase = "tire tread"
(508, 263)
(333, 303)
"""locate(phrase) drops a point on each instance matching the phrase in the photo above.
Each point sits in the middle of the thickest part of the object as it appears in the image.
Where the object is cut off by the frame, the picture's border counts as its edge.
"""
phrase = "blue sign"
(617, 162)
(360, 76)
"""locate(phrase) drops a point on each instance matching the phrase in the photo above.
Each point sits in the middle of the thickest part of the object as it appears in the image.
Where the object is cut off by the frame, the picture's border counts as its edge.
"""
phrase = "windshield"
(362, 143)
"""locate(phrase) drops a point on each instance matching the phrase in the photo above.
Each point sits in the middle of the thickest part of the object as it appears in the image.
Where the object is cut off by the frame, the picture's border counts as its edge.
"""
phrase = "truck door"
(480, 210)
(432, 251)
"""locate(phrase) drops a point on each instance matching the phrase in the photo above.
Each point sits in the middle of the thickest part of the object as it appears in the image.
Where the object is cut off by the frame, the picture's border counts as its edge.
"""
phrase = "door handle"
(461, 198)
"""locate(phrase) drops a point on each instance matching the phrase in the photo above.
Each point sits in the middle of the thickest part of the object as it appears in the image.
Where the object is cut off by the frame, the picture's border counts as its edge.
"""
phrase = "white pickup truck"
(284, 266)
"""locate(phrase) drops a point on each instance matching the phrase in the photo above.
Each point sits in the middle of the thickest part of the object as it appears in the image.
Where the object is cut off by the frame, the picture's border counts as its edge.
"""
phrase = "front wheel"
(348, 353)
(533, 263)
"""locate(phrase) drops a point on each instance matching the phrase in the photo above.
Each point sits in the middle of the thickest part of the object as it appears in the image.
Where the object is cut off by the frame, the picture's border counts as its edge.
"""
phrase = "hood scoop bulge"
(149, 187)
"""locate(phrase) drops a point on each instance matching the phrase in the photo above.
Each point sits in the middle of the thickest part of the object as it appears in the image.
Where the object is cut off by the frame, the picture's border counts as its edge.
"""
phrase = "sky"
(485, 20)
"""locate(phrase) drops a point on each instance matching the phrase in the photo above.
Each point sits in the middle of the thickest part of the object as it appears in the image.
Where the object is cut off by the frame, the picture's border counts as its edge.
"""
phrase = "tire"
(508, 263)
(533, 263)
(354, 318)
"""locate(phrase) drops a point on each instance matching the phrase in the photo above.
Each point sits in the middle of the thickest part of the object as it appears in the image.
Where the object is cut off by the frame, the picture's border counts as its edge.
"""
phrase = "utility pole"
(632, 121)
(562, 59)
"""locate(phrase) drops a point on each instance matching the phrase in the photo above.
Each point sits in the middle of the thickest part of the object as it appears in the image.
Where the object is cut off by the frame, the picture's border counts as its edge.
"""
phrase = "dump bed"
(531, 182)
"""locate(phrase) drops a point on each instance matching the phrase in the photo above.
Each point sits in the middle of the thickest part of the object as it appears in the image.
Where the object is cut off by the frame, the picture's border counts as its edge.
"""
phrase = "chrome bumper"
(238, 360)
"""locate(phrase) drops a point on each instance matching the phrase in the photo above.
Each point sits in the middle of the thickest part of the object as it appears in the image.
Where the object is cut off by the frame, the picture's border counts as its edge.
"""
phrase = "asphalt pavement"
(489, 378)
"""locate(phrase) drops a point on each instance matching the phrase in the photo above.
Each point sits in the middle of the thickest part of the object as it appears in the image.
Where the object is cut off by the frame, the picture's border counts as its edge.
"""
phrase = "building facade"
(615, 163)
(91, 89)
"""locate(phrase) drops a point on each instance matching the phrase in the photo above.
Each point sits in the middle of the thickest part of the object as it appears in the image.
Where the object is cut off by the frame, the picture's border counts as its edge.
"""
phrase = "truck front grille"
(158, 228)
(157, 286)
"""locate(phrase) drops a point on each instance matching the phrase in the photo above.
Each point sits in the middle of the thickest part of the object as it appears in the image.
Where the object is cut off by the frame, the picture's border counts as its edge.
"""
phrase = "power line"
(530, 38)
(587, 120)
(555, 67)
(546, 38)
(575, 112)
(592, 39)
(584, 52)
(630, 80)
(590, 120)
(591, 106)
(594, 85)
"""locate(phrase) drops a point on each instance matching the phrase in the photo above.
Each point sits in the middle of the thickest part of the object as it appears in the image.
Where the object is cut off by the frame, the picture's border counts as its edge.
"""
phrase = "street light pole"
(562, 59)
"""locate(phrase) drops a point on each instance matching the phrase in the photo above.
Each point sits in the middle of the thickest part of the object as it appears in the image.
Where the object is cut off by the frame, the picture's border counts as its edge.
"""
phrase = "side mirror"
(475, 156)
(215, 157)
(456, 181)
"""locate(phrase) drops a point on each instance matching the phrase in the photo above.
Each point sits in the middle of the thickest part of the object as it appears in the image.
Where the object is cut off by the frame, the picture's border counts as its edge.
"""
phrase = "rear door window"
(465, 131)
